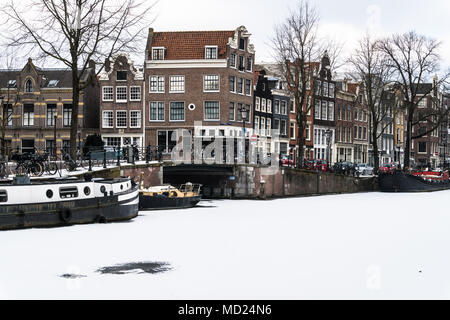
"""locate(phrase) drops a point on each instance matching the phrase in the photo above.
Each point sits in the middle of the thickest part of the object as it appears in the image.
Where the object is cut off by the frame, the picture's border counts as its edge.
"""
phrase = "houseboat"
(26, 203)
(169, 197)
(421, 181)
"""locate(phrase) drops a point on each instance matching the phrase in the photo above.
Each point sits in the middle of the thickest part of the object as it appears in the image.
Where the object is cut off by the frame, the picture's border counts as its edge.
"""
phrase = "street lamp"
(244, 110)
(244, 114)
(55, 117)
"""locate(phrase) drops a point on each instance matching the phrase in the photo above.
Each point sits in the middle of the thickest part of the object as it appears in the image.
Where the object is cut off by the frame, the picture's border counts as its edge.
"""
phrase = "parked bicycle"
(27, 164)
(70, 164)
(48, 166)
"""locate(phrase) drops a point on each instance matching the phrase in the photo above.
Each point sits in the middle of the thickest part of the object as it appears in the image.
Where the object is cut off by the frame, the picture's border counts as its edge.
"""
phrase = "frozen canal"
(369, 245)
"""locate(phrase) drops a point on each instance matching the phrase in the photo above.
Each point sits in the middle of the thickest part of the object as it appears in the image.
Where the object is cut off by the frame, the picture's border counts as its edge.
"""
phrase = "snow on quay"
(355, 246)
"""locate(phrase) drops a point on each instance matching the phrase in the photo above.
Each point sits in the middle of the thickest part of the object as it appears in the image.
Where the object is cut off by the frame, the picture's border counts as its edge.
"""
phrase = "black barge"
(399, 181)
(67, 201)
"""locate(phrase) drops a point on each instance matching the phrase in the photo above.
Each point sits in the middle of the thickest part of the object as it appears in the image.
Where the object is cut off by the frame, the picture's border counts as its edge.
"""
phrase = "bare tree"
(76, 33)
(415, 60)
(296, 45)
(370, 65)
(9, 96)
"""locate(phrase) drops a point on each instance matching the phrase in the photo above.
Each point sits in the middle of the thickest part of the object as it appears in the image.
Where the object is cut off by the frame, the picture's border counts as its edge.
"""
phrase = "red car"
(316, 165)
(286, 161)
(387, 168)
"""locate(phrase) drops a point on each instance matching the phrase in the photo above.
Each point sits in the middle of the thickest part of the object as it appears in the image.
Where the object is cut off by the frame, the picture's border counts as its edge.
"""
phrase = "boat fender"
(173, 194)
(65, 215)
(100, 219)
(21, 215)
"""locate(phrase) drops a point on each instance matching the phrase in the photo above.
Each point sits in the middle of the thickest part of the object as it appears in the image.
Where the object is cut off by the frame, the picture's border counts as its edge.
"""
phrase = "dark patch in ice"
(72, 276)
(205, 206)
(136, 267)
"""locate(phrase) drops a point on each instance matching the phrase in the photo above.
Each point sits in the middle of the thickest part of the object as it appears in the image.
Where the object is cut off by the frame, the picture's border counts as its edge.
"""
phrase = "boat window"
(49, 193)
(87, 191)
(3, 196)
(102, 189)
(68, 192)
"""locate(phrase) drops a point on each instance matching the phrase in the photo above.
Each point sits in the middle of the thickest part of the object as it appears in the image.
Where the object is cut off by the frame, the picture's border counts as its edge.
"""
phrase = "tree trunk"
(74, 120)
(406, 161)
(300, 140)
(376, 158)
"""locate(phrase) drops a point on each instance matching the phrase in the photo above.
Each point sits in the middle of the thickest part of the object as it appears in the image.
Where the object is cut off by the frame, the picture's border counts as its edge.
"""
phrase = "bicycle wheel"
(3, 171)
(35, 169)
(21, 169)
(51, 168)
(81, 163)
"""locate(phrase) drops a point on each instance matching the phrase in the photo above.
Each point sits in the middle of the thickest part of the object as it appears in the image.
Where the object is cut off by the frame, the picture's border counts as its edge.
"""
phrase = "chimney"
(92, 65)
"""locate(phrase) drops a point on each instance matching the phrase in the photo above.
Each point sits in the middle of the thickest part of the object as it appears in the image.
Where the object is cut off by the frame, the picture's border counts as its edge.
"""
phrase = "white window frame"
(204, 110)
(212, 47)
(158, 48)
(256, 124)
(117, 119)
(117, 94)
(157, 114)
(111, 112)
(170, 84)
(290, 126)
(135, 93)
(249, 94)
(218, 82)
(251, 64)
(257, 103)
(109, 93)
(269, 106)
(263, 104)
(235, 60)
(158, 80)
(262, 126)
(269, 127)
(184, 111)
(139, 118)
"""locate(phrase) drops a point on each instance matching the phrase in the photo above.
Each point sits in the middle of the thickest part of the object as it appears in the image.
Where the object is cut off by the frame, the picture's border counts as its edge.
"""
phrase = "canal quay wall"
(244, 181)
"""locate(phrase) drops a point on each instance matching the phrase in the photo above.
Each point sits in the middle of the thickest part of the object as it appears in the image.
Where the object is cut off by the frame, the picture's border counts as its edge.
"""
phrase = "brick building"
(262, 112)
(33, 97)
(198, 79)
(324, 108)
(122, 103)
(425, 150)
(345, 104)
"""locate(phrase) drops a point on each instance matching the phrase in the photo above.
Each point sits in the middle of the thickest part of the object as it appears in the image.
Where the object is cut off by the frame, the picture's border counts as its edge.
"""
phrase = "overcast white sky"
(345, 20)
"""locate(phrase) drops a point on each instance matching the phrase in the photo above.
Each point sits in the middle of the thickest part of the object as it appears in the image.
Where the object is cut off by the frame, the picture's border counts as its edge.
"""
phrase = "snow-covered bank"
(370, 245)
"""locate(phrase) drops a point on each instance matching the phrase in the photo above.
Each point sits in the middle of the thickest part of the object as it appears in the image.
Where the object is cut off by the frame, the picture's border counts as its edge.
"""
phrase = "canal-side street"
(367, 245)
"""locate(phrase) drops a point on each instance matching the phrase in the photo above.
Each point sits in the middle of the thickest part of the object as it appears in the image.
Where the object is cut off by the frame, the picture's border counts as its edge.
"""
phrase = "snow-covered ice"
(359, 246)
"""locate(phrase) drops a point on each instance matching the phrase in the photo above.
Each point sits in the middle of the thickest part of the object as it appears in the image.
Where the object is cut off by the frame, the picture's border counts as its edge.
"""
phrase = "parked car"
(345, 167)
(286, 161)
(387, 168)
(364, 169)
(316, 165)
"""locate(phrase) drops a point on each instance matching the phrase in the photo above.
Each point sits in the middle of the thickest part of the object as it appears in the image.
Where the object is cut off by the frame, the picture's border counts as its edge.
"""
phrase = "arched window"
(29, 86)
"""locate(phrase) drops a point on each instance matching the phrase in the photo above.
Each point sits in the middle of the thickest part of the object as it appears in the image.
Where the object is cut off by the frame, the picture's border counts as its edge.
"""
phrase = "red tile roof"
(181, 45)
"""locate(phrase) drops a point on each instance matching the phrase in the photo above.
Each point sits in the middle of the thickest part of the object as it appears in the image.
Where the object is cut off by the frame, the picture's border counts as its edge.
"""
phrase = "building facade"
(37, 105)
(122, 111)
(263, 113)
(324, 96)
(198, 81)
